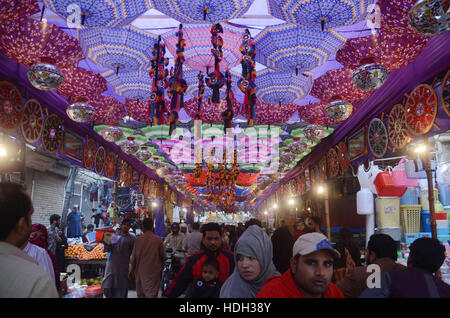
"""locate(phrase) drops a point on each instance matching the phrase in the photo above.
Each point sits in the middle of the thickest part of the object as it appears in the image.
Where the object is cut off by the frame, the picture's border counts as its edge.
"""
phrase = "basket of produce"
(79, 251)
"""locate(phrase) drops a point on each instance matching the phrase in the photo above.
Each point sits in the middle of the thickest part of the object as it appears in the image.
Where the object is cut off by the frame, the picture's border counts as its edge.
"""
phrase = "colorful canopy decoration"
(281, 87)
(121, 49)
(316, 114)
(394, 15)
(289, 47)
(27, 41)
(199, 11)
(210, 112)
(139, 110)
(107, 109)
(390, 49)
(337, 83)
(270, 114)
(320, 14)
(79, 82)
(197, 51)
(131, 85)
(99, 13)
(17, 9)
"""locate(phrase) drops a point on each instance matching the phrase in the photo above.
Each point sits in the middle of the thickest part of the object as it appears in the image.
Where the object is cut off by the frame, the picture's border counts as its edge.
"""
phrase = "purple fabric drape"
(159, 219)
(433, 61)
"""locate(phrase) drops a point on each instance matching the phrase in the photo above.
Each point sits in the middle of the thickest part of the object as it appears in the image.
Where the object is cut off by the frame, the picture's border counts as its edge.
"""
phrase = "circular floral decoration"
(89, 154)
(333, 163)
(421, 109)
(52, 133)
(32, 121)
(11, 107)
(100, 159)
(397, 130)
(110, 165)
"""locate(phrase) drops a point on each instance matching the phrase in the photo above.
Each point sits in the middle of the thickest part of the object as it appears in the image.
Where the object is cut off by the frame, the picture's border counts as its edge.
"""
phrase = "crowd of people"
(222, 261)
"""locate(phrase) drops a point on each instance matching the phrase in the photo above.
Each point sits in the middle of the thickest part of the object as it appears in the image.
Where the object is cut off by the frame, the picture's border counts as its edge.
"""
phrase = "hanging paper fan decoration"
(100, 157)
(333, 163)
(89, 153)
(107, 109)
(421, 109)
(445, 93)
(124, 49)
(13, 10)
(199, 11)
(32, 121)
(430, 17)
(197, 51)
(391, 50)
(210, 112)
(131, 85)
(377, 137)
(110, 165)
(99, 13)
(280, 87)
(11, 107)
(292, 48)
(397, 130)
(320, 14)
(337, 83)
(343, 156)
(27, 41)
(52, 133)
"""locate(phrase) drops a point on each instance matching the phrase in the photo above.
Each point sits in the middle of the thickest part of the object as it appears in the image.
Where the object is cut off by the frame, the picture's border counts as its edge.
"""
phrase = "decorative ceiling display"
(394, 15)
(430, 17)
(320, 14)
(210, 112)
(421, 109)
(124, 49)
(135, 85)
(11, 107)
(289, 48)
(79, 82)
(89, 153)
(281, 87)
(111, 133)
(107, 109)
(377, 137)
(273, 114)
(391, 50)
(139, 110)
(197, 51)
(397, 130)
(80, 110)
(338, 83)
(316, 114)
(52, 133)
(99, 13)
(32, 121)
(199, 11)
(17, 9)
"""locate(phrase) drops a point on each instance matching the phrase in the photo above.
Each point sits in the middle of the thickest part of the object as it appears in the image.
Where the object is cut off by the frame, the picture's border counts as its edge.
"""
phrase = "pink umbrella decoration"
(338, 83)
(270, 114)
(316, 114)
(394, 15)
(393, 50)
(210, 112)
(197, 51)
(27, 41)
(107, 108)
(79, 82)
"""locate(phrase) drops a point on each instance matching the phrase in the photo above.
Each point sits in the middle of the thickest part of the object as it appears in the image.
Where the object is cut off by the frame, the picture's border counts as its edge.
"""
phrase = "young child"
(208, 286)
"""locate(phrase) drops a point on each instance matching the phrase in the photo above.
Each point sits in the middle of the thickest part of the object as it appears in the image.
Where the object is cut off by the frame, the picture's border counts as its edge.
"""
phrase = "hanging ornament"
(421, 109)
(370, 75)
(247, 83)
(445, 93)
(52, 133)
(314, 132)
(216, 79)
(45, 75)
(100, 159)
(157, 106)
(228, 114)
(112, 133)
(201, 89)
(110, 165)
(377, 137)
(430, 17)
(32, 121)
(173, 119)
(397, 130)
(89, 153)
(11, 107)
(129, 146)
(177, 85)
(333, 163)
(80, 111)
(339, 109)
(298, 147)
(143, 154)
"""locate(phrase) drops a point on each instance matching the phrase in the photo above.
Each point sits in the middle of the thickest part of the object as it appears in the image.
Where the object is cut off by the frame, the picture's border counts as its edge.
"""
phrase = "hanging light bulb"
(370, 75)
(112, 133)
(429, 17)
(45, 75)
(80, 111)
(129, 146)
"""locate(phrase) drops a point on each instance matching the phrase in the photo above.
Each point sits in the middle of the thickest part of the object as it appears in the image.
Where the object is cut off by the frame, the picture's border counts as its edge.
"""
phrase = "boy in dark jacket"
(208, 286)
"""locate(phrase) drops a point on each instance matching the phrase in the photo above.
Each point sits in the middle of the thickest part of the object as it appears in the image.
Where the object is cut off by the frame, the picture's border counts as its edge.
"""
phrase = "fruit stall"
(90, 258)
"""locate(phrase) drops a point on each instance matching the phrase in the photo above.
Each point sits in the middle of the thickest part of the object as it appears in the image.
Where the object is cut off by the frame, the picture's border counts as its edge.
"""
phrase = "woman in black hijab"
(282, 243)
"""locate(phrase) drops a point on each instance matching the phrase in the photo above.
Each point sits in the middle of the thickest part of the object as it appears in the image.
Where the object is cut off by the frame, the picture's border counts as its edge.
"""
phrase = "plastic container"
(364, 202)
(399, 176)
(442, 223)
(410, 218)
(410, 197)
(444, 238)
(394, 232)
(101, 231)
(410, 237)
(425, 234)
(415, 169)
(444, 193)
(385, 186)
(441, 215)
(442, 231)
(94, 291)
(388, 212)
(425, 221)
(424, 199)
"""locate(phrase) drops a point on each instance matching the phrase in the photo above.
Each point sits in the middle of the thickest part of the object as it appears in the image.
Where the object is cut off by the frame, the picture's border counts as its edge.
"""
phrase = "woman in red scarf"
(39, 237)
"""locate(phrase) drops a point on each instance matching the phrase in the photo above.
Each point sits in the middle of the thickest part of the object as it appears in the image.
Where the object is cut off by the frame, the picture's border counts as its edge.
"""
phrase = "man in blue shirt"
(74, 221)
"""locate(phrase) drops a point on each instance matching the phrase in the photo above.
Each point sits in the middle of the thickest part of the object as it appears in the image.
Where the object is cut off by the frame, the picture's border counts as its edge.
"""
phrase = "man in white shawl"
(253, 257)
